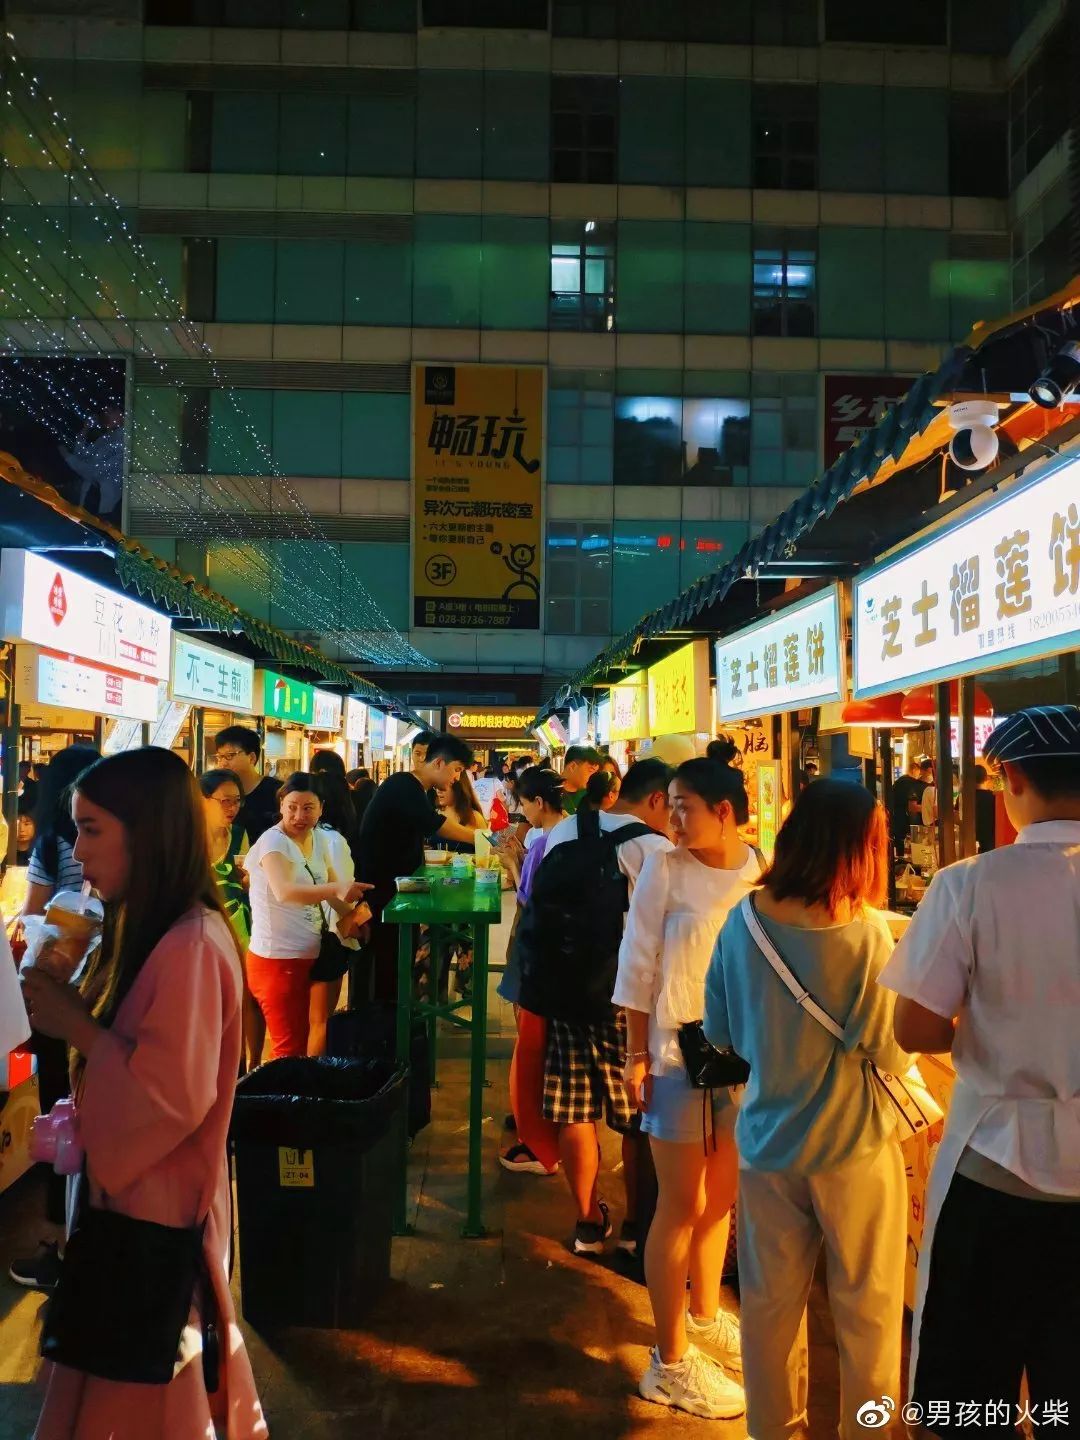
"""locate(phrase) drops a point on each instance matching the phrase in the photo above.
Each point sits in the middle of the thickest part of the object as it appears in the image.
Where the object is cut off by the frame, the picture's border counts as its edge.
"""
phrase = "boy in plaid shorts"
(583, 1073)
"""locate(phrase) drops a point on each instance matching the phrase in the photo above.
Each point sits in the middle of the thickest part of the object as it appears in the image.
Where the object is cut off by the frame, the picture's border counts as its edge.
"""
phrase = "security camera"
(974, 446)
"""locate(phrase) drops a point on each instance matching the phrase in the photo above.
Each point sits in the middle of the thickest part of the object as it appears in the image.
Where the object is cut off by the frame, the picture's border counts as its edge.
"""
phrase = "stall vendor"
(989, 969)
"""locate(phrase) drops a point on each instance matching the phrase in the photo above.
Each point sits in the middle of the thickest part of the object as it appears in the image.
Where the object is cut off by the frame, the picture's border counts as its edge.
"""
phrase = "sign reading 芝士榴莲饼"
(999, 587)
(478, 452)
(790, 661)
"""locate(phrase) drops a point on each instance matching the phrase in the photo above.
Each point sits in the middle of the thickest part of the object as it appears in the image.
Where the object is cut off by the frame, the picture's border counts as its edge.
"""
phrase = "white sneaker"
(722, 1336)
(695, 1384)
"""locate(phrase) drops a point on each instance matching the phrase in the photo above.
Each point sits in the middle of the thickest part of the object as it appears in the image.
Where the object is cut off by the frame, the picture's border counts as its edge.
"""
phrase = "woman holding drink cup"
(156, 1031)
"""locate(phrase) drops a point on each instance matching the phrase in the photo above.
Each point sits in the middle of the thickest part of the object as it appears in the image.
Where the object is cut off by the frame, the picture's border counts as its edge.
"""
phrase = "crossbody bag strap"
(801, 995)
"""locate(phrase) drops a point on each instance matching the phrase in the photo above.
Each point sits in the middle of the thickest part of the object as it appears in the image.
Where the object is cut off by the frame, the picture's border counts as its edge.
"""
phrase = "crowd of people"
(729, 1016)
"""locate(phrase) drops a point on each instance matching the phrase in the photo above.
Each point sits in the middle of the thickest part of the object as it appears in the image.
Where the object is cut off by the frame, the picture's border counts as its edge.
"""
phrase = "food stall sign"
(70, 683)
(630, 709)
(290, 701)
(603, 720)
(792, 660)
(63, 612)
(679, 691)
(390, 734)
(377, 733)
(327, 711)
(995, 589)
(356, 720)
(578, 729)
(209, 676)
(769, 792)
(508, 722)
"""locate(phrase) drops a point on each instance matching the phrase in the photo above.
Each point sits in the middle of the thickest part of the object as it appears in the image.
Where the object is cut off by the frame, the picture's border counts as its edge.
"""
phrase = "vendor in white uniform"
(990, 970)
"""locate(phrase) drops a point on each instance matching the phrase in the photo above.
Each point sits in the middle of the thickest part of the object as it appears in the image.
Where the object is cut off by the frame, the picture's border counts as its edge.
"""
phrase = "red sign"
(853, 405)
(57, 600)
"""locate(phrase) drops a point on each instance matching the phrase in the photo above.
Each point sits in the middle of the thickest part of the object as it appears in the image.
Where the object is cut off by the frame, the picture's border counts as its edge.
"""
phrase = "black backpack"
(568, 937)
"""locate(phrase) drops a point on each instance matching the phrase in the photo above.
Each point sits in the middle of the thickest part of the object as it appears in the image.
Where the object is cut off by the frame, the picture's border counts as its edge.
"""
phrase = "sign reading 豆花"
(995, 589)
(478, 451)
(793, 660)
(296, 1169)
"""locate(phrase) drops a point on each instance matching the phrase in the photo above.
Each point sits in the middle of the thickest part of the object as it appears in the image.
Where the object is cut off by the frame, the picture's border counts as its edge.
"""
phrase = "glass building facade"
(687, 212)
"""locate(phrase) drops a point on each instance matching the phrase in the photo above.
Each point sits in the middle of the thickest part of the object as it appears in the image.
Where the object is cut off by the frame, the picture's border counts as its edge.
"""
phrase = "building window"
(589, 19)
(580, 408)
(1040, 247)
(662, 440)
(978, 145)
(486, 14)
(578, 578)
(583, 129)
(582, 275)
(784, 429)
(785, 282)
(1039, 105)
(855, 22)
(785, 137)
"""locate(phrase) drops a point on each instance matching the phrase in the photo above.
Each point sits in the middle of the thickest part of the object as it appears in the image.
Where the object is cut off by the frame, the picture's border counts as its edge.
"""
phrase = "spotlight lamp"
(1060, 378)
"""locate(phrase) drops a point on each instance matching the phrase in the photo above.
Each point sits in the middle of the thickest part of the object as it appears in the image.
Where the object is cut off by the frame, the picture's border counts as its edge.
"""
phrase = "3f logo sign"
(440, 570)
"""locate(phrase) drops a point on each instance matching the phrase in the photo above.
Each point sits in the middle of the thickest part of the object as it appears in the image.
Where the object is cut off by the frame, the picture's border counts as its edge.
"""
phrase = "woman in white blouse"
(678, 907)
(293, 872)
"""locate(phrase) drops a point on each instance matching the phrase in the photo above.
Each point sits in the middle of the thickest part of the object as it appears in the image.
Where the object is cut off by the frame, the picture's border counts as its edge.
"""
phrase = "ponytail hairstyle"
(715, 782)
(597, 789)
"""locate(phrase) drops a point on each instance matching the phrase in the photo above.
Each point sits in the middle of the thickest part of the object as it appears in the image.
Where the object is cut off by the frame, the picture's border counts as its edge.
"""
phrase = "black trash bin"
(318, 1146)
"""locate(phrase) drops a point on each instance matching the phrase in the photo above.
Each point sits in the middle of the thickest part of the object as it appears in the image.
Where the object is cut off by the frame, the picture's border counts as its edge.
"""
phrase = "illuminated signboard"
(508, 722)
(377, 732)
(287, 700)
(630, 709)
(603, 720)
(769, 795)
(71, 683)
(49, 605)
(995, 589)
(679, 691)
(209, 676)
(793, 660)
(327, 710)
(356, 719)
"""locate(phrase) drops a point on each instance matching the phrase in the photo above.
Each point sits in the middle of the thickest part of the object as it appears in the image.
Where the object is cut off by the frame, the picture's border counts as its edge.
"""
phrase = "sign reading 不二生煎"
(679, 691)
(209, 676)
(997, 588)
(478, 452)
(788, 662)
(288, 700)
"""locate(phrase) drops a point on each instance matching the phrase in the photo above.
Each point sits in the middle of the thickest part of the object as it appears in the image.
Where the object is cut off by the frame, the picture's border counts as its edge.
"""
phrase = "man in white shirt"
(990, 970)
(583, 1074)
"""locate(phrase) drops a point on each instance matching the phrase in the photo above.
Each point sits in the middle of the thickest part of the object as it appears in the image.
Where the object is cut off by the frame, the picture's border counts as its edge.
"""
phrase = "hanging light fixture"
(884, 712)
(920, 704)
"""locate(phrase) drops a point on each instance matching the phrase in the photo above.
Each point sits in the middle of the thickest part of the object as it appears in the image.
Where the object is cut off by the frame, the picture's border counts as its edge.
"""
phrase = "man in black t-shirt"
(396, 826)
(907, 794)
(238, 749)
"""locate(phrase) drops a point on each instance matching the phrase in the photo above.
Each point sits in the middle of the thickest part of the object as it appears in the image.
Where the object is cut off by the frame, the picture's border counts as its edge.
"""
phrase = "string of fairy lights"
(63, 297)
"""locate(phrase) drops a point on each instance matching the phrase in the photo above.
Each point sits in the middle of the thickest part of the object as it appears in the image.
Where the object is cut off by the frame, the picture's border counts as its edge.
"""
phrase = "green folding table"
(453, 906)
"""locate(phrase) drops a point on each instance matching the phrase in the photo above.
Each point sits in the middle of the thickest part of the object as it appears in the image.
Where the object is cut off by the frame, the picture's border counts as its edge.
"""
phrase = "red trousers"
(282, 991)
(527, 1089)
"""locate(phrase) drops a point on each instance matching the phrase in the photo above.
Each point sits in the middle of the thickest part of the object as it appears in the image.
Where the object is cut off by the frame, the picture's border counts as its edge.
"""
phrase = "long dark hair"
(715, 781)
(834, 846)
(157, 800)
(339, 807)
(544, 785)
(53, 812)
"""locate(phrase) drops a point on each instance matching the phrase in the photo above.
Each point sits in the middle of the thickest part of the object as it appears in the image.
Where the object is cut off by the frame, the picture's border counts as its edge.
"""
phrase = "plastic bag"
(60, 941)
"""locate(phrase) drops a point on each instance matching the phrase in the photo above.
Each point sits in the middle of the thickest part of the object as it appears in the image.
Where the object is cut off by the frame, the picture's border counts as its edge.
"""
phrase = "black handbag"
(707, 1067)
(123, 1298)
(332, 961)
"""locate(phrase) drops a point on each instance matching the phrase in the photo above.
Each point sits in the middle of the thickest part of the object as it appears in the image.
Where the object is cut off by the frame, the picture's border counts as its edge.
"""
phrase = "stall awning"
(139, 569)
(999, 359)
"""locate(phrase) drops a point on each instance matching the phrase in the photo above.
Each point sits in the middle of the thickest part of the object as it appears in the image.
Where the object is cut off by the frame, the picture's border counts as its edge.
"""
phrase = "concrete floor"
(509, 1337)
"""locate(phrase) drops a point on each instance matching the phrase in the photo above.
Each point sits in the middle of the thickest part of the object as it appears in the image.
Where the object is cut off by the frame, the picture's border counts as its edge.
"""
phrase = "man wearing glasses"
(237, 749)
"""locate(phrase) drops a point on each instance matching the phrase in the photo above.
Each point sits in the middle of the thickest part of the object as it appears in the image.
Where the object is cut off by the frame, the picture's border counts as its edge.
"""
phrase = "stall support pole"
(786, 757)
(11, 760)
(885, 760)
(198, 740)
(946, 834)
(1070, 682)
(967, 768)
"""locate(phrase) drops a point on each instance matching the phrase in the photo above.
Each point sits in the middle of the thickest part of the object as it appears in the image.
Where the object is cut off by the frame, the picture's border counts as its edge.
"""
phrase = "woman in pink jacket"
(156, 1033)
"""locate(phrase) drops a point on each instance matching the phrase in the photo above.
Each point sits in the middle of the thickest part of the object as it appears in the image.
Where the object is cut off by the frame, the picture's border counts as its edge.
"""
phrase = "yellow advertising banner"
(630, 709)
(679, 691)
(478, 463)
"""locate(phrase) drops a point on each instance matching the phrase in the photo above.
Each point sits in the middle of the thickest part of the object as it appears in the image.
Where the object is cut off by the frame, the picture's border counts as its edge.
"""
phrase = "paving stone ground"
(505, 1338)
